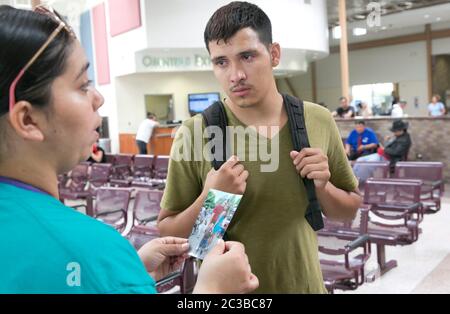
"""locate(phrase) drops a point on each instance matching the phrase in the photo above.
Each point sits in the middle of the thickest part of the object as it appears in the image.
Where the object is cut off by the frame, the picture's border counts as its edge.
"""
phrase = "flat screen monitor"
(199, 102)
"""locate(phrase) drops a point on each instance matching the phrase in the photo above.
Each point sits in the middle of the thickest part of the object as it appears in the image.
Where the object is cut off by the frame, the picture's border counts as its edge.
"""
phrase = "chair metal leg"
(381, 258)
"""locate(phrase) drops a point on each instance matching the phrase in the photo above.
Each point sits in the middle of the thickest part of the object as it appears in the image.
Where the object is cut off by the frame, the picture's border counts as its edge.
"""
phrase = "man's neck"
(269, 112)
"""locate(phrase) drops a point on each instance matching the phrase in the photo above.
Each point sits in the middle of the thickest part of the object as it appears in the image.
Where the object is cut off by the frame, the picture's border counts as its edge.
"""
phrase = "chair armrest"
(111, 212)
(357, 243)
(412, 224)
(79, 206)
(168, 278)
(436, 184)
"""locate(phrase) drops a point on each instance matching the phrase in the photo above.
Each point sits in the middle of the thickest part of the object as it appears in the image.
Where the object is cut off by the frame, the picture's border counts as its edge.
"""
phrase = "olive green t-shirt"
(270, 220)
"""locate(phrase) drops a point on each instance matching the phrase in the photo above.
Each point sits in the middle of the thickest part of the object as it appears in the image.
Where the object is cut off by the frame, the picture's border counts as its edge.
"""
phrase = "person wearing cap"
(398, 109)
(395, 149)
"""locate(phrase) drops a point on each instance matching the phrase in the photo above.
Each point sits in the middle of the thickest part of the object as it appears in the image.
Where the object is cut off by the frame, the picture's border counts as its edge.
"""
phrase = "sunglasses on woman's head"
(48, 11)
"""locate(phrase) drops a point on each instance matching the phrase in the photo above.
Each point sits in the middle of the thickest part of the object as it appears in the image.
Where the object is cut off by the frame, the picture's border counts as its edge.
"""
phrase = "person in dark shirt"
(397, 147)
(345, 110)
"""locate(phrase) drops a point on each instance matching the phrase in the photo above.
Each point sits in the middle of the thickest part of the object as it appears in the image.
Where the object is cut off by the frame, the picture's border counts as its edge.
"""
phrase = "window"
(377, 96)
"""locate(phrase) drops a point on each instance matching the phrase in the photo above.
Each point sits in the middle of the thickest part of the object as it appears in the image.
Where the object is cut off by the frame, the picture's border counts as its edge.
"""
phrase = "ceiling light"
(426, 16)
(359, 16)
(438, 19)
(406, 5)
(359, 31)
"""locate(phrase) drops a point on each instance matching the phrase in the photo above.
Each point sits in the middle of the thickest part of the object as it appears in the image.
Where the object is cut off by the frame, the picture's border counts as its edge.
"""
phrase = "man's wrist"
(323, 188)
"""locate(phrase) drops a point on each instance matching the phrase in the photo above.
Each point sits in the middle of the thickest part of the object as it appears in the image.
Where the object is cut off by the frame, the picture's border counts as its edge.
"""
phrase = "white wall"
(441, 46)
(180, 23)
(131, 91)
(121, 62)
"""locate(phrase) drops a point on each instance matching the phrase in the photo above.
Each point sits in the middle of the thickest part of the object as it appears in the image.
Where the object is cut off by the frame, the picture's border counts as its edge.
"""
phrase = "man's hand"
(312, 163)
(231, 177)
(226, 269)
(163, 256)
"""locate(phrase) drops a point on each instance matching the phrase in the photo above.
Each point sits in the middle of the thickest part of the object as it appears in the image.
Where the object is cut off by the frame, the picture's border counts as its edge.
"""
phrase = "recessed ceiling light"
(384, 28)
(426, 16)
(406, 5)
(359, 31)
(438, 19)
(359, 16)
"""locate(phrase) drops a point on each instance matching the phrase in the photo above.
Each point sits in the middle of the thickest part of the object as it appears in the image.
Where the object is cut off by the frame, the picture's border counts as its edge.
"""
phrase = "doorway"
(161, 106)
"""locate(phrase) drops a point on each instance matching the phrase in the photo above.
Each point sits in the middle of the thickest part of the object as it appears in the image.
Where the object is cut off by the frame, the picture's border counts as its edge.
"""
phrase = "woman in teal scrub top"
(48, 121)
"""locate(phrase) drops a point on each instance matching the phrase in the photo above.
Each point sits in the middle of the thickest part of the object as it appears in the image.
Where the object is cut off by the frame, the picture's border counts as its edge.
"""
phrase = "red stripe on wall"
(101, 44)
(125, 15)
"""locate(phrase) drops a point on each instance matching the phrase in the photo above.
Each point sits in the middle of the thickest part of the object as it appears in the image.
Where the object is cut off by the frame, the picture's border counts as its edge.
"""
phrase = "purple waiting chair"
(342, 267)
(394, 216)
(111, 206)
(431, 174)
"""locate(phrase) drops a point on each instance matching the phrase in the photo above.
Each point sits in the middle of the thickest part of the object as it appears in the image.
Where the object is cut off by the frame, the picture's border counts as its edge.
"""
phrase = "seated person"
(345, 110)
(362, 141)
(436, 108)
(97, 154)
(398, 109)
(364, 110)
(395, 149)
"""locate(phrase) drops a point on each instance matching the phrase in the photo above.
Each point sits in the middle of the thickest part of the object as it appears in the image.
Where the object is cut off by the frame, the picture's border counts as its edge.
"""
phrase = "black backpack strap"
(215, 115)
(294, 109)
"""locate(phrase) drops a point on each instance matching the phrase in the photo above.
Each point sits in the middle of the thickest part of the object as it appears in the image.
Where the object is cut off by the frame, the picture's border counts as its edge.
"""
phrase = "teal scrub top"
(46, 247)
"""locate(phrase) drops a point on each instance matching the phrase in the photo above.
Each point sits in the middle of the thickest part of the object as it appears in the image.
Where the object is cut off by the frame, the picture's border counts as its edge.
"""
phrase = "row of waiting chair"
(128, 169)
(83, 181)
(392, 212)
(430, 173)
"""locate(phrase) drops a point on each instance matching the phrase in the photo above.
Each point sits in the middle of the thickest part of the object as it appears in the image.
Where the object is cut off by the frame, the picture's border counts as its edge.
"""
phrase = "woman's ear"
(27, 121)
(275, 53)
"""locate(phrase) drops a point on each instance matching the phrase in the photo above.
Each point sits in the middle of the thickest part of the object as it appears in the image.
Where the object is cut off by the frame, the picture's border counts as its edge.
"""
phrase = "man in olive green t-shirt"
(270, 220)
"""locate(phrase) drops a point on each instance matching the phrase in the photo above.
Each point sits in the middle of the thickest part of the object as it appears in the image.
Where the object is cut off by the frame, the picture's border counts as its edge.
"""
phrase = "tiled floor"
(423, 267)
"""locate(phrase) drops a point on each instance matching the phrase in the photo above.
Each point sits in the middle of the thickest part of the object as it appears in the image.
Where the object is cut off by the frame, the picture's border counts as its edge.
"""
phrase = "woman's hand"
(163, 256)
(226, 269)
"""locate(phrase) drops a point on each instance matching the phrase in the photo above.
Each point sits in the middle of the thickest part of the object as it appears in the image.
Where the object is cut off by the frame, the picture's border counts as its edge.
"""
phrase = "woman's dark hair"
(233, 17)
(22, 33)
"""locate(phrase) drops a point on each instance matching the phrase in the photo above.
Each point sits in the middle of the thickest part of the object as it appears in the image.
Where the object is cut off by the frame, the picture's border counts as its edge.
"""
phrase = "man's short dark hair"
(342, 98)
(150, 115)
(360, 122)
(233, 17)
